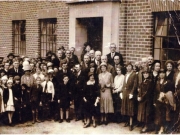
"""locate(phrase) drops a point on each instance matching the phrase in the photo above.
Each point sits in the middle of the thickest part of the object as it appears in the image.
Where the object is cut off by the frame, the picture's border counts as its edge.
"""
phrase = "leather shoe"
(87, 125)
(106, 122)
(130, 128)
(126, 124)
(67, 120)
(60, 121)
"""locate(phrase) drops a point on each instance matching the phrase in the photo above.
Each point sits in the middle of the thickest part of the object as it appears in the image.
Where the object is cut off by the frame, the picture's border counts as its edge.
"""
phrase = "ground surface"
(51, 127)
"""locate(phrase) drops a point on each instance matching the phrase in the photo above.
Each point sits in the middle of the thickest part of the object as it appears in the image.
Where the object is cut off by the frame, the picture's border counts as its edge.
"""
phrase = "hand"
(154, 104)
(70, 102)
(24, 105)
(84, 99)
(15, 98)
(58, 101)
(40, 104)
(139, 99)
(175, 94)
(138, 89)
(5, 105)
(121, 95)
(130, 96)
(52, 100)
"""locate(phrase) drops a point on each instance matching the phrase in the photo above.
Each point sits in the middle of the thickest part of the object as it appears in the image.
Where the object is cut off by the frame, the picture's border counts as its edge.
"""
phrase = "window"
(48, 29)
(19, 37)
(167, 36)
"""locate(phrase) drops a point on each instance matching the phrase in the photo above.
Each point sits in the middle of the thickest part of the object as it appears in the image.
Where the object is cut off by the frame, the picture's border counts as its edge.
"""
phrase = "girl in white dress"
(8, 98)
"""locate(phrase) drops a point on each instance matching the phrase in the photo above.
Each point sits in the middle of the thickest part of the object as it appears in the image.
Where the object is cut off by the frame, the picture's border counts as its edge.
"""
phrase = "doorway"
(89, 30)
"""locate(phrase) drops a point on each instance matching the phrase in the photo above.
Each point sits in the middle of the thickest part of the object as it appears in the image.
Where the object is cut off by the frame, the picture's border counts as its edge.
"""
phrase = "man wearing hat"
(10, 58)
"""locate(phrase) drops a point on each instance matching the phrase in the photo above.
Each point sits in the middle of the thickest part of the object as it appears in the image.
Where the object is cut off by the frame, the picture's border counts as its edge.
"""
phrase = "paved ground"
(51, 127)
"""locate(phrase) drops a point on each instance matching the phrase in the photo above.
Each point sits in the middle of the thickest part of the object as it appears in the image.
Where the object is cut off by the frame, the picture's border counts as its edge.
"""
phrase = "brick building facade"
(128, 23)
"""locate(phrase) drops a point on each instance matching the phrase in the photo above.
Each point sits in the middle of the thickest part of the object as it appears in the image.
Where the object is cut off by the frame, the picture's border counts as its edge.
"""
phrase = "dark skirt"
(89, 109)
(127, 106)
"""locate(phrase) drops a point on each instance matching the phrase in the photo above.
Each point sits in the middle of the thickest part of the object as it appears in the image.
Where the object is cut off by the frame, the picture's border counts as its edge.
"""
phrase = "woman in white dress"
(8, 98)
(106, 101)
(118, 84)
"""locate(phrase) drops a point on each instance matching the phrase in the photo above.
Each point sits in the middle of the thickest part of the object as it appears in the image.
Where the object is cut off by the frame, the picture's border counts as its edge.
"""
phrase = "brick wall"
(135, 26)
(135, 29)
(32, 38)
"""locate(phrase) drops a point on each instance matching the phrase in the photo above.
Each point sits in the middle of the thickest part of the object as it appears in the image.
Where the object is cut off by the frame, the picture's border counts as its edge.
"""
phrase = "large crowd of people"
(102, 89)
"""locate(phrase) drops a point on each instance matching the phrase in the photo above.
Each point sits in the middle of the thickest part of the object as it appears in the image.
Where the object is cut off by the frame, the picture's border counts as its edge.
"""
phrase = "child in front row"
(47, 97)
(64, 98)
(35, 94)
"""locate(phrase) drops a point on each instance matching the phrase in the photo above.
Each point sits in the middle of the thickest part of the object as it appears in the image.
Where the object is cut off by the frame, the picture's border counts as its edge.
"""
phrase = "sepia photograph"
(90, 67)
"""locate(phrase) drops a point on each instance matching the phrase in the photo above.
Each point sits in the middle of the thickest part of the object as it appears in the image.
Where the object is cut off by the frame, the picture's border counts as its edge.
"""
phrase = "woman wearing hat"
(163, 102)
(127, 95)
(145, 88)
(106, 101)
(90, 100)
(29, 80)
(8, 97)
(87, 48)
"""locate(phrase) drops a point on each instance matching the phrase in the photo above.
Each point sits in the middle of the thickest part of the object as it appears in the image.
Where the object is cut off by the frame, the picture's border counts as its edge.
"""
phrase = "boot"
(33, 114)
(37, 120)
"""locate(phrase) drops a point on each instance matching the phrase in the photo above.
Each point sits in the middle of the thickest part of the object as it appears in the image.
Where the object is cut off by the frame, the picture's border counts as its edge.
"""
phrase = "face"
(72, 50)
(77, 68)
(103, 68)
(22, 87)
(169, 66)
(118, 71)
(53, 57)
(55, 70)
(91, 53)
(47, 78)
(45, 67)
(4, 81)
(64, 66)
(17, 81)
(98, 56)
(16, 64)
(92, 69)
(129, 68)
(91, 78)
(143, 64)
(9, 85)
(150, 60)
(162, 75)
(38, 71)
(6, 66)
(86, 59)
(179, 67)
(116, 60)
(88, 48)
(145, 75)
(104, 59)
(38, 81)
(66, 79)
(32, 65)
(68, 54)
(60, 54)
(113, 48)
(157, 67)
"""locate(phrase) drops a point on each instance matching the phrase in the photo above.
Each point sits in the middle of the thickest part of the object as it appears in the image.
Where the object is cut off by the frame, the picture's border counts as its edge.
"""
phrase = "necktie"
(112, 55)
(98, 63)
(45, 89)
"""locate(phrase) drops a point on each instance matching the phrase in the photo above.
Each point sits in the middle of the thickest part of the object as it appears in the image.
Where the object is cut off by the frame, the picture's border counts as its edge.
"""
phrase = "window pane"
(174, 42)
(157, 42)
(174, 55)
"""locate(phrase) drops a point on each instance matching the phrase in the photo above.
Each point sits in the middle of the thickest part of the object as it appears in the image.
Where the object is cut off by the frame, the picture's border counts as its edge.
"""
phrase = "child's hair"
(65, 76)
(25, 86)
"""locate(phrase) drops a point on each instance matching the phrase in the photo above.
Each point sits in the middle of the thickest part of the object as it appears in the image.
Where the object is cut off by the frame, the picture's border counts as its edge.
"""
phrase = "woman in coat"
(128, 90)
(145, 88)
(90, 100)
(106, 101)
(163, 102)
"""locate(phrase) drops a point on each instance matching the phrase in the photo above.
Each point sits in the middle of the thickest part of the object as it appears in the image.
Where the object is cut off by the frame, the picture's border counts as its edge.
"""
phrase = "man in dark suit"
(97, 60)
(113, 53)
(73, 56)
(16, 70)
(92, 55)
(6, 68)
(85, 63)
(78, 82)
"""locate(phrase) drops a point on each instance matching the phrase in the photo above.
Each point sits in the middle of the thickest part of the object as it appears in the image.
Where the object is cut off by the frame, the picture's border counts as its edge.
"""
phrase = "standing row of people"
(101, 88)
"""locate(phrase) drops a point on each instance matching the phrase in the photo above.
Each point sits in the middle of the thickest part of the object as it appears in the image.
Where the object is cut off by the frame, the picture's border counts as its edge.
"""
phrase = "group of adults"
(102, 88)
